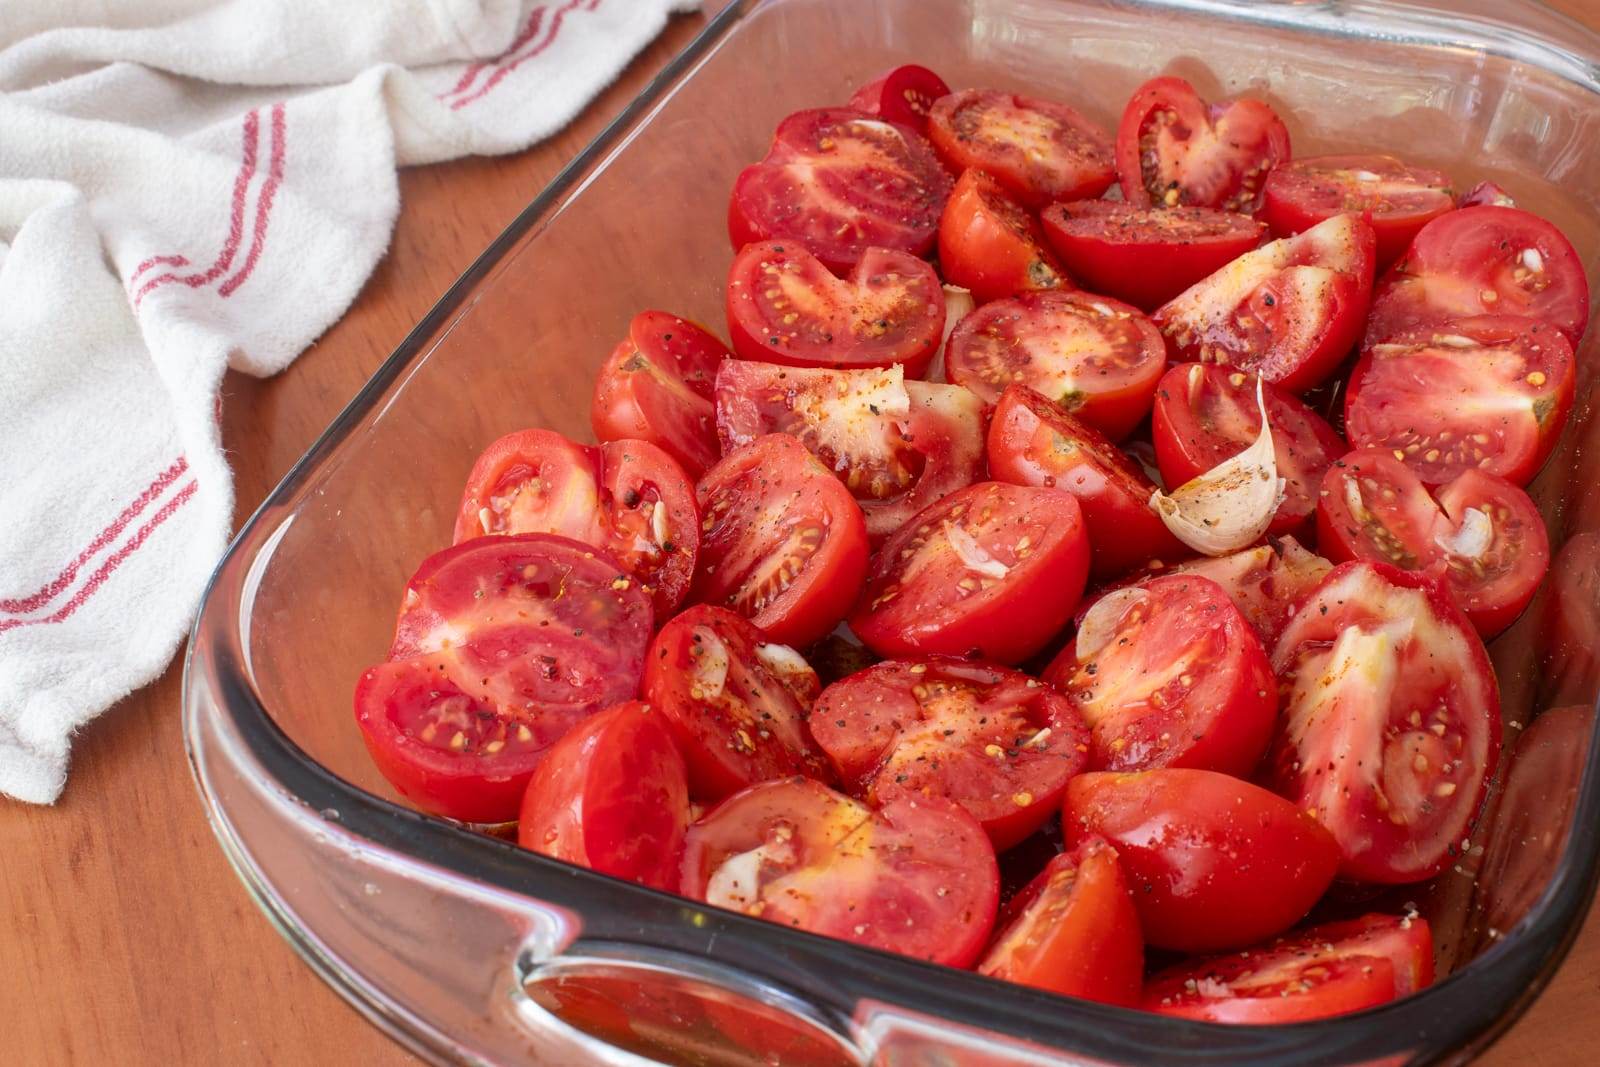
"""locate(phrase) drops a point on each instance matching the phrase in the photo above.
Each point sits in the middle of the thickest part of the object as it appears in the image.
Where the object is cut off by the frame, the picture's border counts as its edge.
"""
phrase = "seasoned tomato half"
(656, 387)
(1396, 198)
(1041, 151)
(904, 95)
(990, 244)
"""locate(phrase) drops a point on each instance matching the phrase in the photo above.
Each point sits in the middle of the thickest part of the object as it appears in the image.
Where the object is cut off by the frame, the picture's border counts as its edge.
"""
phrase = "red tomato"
(1214, 862)
(1073, 930)
(841, 182)
(1039, 150)
(898, 445)
(1288, 311)
(992, 570)
(1487, 192)
(1034, 442)
(1096, 357)
(1488, 394)
(917, 876)
(988, 243)
(1396, 198)
(784, 307)
(1480, 532)
(992, 740)
(1168, 673)
(782, 541)
(627, 497)
(611, 796)
(1391, 721)
(904, 95)
(1483, 260)
(1206, 415)
(656, 387)
(1146, 256)
(1174, 149)
(735, 701)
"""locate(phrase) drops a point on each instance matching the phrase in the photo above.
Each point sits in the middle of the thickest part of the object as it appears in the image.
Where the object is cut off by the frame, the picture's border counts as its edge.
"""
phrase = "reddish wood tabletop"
(128, 939)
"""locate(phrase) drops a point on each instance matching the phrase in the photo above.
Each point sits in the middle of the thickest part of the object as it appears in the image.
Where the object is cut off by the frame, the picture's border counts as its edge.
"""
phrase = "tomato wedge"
(656, 386)
(1391, 722)
(840, 182)
(1288, 311)
(782, 542)
(1397, 199)
(988, 243)
(1096, 357)
(1073, 930)
(916, 877)
(611, 796)
(1487, 192)
(903, 95)
(898, 445)
(992, 740)
(1175, 150)
(1168, 673)
(1039, 150)
(1146, 256)
(992, 570)
(784, 307)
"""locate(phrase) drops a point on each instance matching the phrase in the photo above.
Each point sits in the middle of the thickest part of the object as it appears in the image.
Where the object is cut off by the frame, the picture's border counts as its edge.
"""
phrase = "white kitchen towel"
(185, 186)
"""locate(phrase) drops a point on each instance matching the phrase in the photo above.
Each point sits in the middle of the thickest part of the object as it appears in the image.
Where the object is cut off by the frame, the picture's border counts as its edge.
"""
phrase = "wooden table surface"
(127, 937)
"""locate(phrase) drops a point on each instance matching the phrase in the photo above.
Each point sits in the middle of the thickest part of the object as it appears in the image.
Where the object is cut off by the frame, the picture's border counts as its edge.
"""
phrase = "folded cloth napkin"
(186, 186)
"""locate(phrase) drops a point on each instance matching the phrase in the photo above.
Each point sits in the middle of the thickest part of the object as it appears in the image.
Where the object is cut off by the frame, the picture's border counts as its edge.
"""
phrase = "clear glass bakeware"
(466, 948)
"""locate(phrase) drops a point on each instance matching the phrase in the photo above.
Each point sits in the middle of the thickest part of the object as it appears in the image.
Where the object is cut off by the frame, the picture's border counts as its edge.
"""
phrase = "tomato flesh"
(903, 95)
(1397, 199)
(1038, 150)
(656, 386)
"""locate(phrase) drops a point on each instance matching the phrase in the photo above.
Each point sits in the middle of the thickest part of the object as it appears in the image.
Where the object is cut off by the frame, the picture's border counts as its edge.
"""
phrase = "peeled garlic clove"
(1471, 539)
(958, 304)
(1100, 621)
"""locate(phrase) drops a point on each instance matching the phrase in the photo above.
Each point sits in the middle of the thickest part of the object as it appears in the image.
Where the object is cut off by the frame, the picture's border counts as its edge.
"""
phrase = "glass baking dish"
(464, 947)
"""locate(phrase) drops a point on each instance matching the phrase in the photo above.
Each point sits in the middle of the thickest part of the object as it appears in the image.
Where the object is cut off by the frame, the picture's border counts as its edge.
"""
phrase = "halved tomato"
(611, 796)
(992, 740)
(1489, 393)
(1391, 722)
(1034, 442)
(992, 570)
(1095, 357)
(840, 182)
(627, 497)
(898, 445)
(735, 701)
(1175, 150)
(1204, 416)
(1144, 255)
(1396, 198)
(917, 876)
(1288, 311)
(989, 244)
(904, 95)
(1039, 150)
(782, 541)
(784, 307)
(1168, 673)
(656, 386)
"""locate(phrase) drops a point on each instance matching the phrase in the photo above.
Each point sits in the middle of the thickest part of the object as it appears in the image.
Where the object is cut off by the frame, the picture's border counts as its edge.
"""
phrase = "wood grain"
(127, 937)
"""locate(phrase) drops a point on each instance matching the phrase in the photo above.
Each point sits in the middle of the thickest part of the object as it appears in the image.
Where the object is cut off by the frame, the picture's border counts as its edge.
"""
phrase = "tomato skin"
(656, 386)
(611, 796)
(1214, 862)
(1397, 199)
(1073, 930)
(1039, 150)
(903, 95)
(988, 243)
(1145, 256)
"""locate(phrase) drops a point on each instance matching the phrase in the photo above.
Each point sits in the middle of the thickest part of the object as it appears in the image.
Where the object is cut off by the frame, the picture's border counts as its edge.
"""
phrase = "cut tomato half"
(903, 95)
(656, 387)
(1039, 150)
(1397, 199)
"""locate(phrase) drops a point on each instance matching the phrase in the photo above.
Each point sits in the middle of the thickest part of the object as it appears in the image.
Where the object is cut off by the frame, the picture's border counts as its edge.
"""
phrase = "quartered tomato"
(1391, 720)
(734, 700)
(992, 570)
(1034, 442)
(1206, 415)
(611, 796)
(627, 497)
(992, 740)
(990, 244)
(1288, 311)
(782, 541)
(784, 307)
(898, 445)
(1072, 930)
(1145, 255)
(839, 182)
(1168, 673)
(1214, 862)
(1096, 357)
(1039, 150)
(1489, 394)
(1175, 150)
(1480, 532)
(656, 387)
(916, 877)
(904, 95)
(1396, 198)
